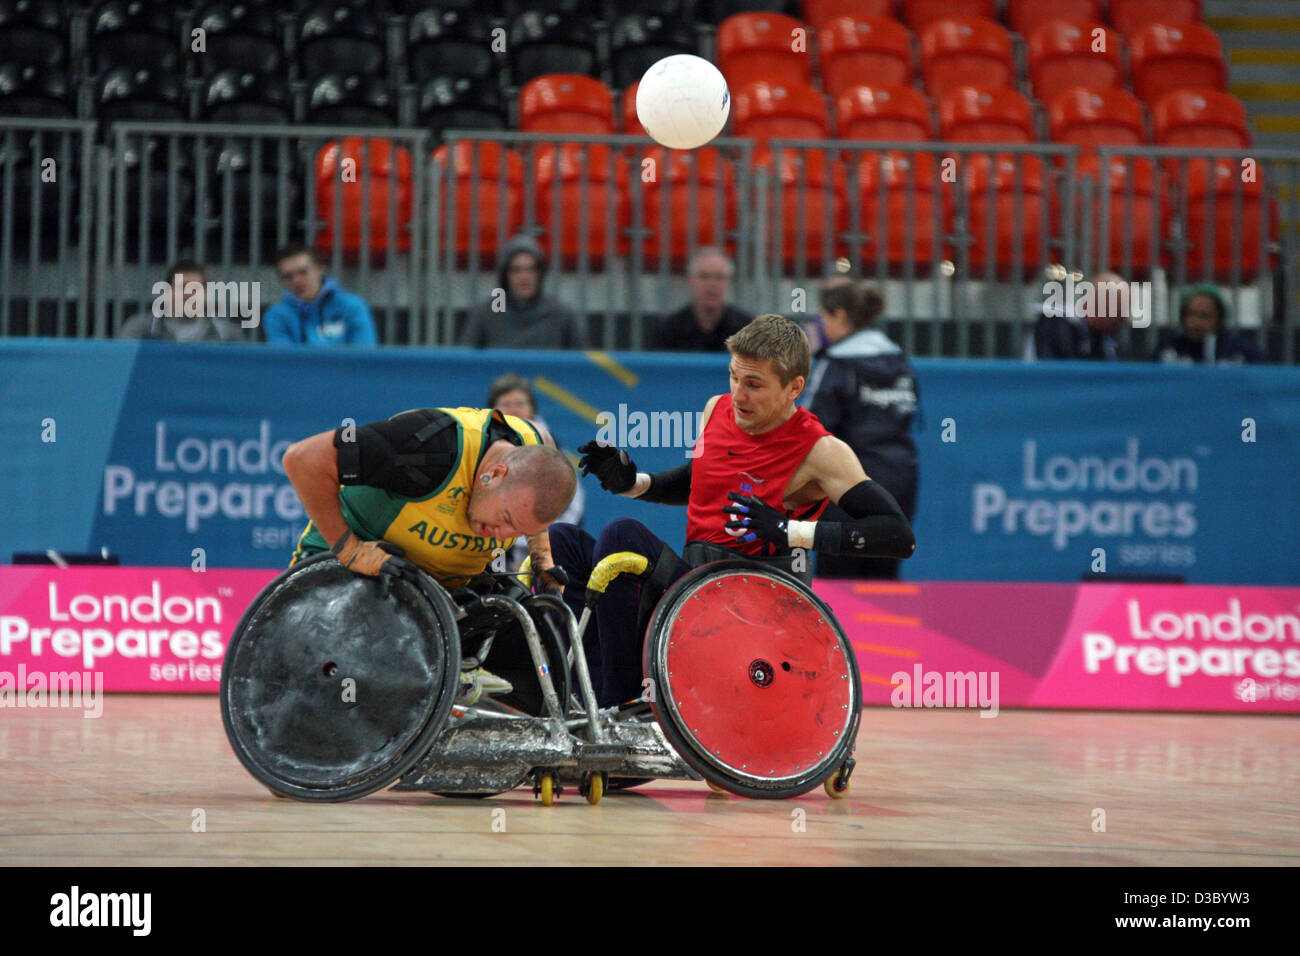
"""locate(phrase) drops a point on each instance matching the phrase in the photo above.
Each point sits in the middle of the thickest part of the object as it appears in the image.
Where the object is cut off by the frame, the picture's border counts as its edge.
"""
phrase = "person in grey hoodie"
(517, 315)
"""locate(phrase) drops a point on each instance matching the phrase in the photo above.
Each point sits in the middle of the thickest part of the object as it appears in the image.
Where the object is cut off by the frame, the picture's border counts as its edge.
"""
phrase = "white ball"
(683, 101)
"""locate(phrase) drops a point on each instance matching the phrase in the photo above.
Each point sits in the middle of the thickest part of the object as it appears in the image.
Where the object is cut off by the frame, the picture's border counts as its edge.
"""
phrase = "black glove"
(555, 573)
(759, 518)
(398, 566)
(616, 471)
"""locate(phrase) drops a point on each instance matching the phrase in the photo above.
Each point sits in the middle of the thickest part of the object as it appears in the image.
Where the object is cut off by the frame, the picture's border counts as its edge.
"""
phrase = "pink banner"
(1095, 646)
(160, 630)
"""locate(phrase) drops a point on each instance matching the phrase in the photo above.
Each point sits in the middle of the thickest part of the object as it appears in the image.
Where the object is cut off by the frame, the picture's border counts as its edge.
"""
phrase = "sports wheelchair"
(337, 685)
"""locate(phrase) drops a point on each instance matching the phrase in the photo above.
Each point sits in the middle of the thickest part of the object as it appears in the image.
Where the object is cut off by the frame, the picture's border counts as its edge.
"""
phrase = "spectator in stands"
(1063, 334)
(706, 323)
(518, 315)
(512, 395)
(865, 392)
(815, 328)
(178, 317)
(1203, 336)
(315, 309)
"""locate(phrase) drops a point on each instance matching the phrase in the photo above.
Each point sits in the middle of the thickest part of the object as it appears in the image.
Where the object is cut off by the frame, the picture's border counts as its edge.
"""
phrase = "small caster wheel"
(714, 787)
(546, 789)
(837, 788)
(594, 788)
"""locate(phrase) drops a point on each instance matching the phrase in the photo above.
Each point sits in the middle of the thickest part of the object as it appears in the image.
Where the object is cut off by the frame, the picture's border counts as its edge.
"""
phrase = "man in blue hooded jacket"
(315, 310)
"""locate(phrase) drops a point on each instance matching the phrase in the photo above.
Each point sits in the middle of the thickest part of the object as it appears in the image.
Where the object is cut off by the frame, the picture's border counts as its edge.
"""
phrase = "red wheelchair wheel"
(755, 683)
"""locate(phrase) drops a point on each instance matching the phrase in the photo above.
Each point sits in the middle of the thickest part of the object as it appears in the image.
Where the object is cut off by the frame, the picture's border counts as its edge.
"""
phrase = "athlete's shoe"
(474, 684)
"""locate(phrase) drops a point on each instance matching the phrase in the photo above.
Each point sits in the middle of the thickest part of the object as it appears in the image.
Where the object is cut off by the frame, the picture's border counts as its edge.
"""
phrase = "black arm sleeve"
(879, 529)
(671, 487)
(409, 454)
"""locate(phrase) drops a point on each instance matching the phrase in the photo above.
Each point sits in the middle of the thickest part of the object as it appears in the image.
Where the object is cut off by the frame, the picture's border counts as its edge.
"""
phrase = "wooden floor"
(932, 787)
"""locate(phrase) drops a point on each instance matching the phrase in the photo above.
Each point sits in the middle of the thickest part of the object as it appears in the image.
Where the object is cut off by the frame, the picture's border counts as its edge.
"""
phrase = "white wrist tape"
(800, 533)
(641, 486)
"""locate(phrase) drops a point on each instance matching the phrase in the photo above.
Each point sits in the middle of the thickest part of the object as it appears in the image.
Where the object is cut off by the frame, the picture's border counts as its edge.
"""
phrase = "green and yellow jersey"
(407, 480)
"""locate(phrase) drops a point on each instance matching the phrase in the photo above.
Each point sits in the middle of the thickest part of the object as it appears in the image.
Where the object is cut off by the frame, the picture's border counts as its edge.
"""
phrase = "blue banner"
(1028, 472)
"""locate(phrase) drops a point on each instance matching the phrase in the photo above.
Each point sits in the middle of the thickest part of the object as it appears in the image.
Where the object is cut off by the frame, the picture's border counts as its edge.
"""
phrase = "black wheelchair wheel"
(332, 689)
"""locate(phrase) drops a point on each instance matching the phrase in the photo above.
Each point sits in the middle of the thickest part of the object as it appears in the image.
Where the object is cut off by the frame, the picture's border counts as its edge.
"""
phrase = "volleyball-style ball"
(683, 101)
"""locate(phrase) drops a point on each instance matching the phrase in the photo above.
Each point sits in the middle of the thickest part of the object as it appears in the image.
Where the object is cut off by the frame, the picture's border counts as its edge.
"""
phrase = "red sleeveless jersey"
(730, 459)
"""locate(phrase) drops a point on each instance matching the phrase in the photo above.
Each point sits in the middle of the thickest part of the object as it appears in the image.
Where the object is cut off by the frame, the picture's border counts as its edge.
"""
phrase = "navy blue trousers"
(612, 641)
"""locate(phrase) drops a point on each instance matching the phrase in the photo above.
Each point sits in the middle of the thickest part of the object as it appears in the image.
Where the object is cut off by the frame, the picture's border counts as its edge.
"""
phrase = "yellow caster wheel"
(546, 789)
(714, 787)
(837, 788)
(595, 788)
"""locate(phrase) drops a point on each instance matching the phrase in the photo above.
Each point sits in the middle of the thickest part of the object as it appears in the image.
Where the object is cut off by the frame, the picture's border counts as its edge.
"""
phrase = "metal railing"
(46, 193)
(960, 235)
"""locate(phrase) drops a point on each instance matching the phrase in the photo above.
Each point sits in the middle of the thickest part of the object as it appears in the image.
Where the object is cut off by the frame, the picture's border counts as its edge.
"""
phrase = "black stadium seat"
(588, 9)
(133, 33)
(246, 96)
(340, 38)
(28, 90)
(715, 11)
(32, 32)
(677, 9)
(349, 99)
(546, 42)
(139, 93)
(461, 102)
(638, 41)
(449, 41)
(412, 7)
(241, 35)
(240, 183)
(151, 198)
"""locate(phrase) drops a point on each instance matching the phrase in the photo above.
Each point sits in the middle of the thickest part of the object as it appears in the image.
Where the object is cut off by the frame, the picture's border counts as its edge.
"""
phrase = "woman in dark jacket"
(864, 391)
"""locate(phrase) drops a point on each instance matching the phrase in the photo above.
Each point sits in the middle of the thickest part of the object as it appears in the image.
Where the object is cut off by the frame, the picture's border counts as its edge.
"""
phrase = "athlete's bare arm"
(829, 469)
(312, 467)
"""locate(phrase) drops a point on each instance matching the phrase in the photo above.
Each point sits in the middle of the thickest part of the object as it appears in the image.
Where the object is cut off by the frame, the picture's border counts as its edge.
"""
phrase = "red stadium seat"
(817, 13)
(1062, 56)
(566, 103)
(756, 47)
(1024, 16)
(1211, 189)
(500, 188)
(1125, 187)
(1105, 117)
(912, 197)
(1004, 216)
(965, 51)
(917, 13)
(872, 47)
(972, 114)
(813, 186)
(884, 113)
(710, 205)
(1168, 57)
(1129, 16)
(381, 169)
(779, 110)
(598, 195)
(631, 125)
(1204, 118)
